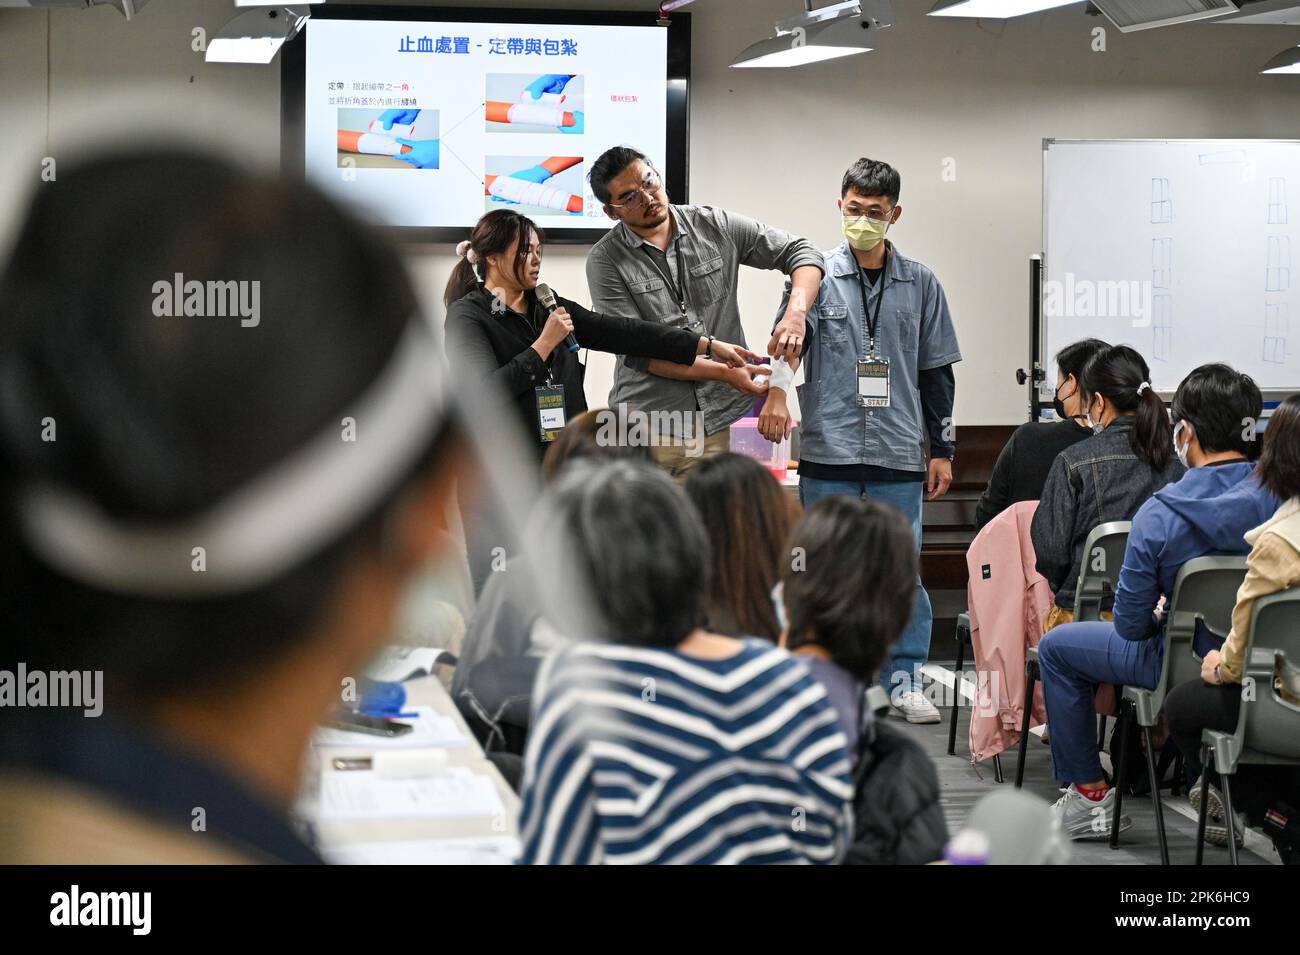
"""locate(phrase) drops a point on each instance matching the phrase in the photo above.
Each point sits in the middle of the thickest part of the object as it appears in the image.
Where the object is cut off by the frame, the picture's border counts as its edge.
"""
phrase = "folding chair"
(1103, 556)
(1268, 726)
(1205, 592)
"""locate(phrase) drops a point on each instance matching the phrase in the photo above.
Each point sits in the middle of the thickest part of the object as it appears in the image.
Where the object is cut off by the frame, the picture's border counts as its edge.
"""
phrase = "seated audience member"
(845, 605)
(747, 515)
(1022, 466)
(1214, 701)
(1207, 511)
(177, 539)
(1108, 476)
(669, 743)
(507, 635)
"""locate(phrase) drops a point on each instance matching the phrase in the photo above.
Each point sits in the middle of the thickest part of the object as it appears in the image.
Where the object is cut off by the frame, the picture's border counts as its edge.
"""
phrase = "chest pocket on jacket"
(909, 329)
(707, 284)
(833, 323)
(654, 301)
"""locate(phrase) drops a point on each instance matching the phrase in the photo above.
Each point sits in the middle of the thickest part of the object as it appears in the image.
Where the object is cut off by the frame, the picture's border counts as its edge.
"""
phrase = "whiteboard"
(1185, 249)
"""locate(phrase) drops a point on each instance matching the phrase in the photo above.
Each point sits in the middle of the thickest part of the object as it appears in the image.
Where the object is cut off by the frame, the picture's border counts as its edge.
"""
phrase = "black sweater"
(1021, 468)
(497, 347)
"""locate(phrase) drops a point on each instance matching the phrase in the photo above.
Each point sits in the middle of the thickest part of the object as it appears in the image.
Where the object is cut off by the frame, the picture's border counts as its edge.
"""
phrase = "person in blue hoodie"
(1207, 511)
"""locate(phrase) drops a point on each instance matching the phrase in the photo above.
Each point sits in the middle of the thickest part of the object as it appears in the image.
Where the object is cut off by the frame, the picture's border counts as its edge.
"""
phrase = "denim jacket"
(915, 333)
(1095, 481)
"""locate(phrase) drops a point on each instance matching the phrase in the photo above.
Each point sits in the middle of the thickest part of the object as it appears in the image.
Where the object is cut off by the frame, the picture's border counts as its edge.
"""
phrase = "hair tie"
(1143, 387)
(466, 250)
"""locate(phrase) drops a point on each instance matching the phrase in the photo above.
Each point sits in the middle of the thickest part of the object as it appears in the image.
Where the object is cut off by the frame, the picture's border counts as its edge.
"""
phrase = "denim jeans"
(1073, 659)
(902, 670)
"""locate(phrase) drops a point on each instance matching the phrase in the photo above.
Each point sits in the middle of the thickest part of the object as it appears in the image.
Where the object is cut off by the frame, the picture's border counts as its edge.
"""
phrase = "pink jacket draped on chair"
(1007, 600)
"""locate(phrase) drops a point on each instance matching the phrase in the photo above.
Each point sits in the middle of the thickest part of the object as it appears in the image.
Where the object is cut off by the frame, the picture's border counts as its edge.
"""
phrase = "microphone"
(547, 298)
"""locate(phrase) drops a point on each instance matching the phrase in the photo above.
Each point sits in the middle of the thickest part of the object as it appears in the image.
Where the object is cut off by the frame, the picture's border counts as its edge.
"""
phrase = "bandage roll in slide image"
(396, 131)
(372, 144)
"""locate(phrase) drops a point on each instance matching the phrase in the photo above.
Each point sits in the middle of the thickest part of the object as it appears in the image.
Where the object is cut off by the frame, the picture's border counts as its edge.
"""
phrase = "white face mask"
(1096, 426)
(1181, 453)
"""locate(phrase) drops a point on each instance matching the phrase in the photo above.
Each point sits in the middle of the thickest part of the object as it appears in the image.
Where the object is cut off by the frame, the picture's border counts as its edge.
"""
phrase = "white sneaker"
(914, 708)
(1084, 818)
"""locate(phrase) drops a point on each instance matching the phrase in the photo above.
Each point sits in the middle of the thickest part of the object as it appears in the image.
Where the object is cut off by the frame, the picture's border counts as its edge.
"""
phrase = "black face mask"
(1058, 405)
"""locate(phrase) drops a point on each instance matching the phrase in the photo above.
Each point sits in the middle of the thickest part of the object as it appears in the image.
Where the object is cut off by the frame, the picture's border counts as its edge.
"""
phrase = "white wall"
(770, 143)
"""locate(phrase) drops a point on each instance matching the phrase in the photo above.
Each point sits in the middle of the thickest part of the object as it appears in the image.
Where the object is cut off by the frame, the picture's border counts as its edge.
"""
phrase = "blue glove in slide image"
(577, 127)
(548, 83)
(402, 117)
(424, 153)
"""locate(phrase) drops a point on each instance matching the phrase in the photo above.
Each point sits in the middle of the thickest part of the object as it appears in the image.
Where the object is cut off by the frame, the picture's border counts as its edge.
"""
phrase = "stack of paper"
(363, 795)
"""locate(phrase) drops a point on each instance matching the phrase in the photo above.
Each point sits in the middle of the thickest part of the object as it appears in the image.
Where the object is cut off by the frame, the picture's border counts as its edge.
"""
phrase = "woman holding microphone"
(500, 330)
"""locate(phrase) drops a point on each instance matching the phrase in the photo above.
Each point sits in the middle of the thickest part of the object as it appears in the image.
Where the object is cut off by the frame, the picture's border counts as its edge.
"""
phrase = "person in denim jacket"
(1208, 511)
(1106, 477)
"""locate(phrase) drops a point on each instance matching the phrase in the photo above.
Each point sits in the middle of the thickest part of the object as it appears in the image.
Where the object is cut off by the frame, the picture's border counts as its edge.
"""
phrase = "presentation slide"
(431, 124)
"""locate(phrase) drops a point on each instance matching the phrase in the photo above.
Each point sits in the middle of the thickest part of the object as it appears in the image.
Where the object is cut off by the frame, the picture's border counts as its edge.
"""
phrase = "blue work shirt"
(915, 333)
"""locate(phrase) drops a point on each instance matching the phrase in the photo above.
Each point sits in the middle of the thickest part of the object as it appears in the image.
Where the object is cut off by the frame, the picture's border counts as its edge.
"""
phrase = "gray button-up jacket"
(714, 243)
(915, 333)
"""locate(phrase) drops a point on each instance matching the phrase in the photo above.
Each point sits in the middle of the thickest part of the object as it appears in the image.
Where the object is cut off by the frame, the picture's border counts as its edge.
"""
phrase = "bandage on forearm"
(532, 194)
(536, 114)
(782, 375)
(351, 141)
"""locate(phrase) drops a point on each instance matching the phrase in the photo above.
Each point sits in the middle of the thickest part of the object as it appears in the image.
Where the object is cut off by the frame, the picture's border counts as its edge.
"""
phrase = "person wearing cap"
(499, 331)
(209, 519)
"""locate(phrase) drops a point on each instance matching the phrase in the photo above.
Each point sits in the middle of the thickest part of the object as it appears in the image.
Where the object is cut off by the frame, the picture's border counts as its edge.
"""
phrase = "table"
(426, 691)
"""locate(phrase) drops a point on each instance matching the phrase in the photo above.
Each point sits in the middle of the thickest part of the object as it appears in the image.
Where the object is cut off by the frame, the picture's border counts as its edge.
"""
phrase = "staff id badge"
(550, 411)
(873, 382)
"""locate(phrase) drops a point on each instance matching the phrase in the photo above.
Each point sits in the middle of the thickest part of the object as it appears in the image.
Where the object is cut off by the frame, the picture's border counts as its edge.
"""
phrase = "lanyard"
(873, 323)
(679, 293)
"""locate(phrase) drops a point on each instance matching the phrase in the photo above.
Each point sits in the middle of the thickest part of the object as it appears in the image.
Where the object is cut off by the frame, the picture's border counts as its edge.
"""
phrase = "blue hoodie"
(1207, 511)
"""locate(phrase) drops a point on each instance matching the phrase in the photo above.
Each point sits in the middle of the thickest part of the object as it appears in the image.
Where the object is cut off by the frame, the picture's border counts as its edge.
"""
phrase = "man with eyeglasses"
(678, 265)
(878, 386)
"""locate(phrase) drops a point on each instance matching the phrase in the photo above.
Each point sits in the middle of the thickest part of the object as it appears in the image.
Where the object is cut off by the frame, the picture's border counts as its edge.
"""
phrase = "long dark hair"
(747, 516)
(491, 235)
(1279, 465)
(1121, 376)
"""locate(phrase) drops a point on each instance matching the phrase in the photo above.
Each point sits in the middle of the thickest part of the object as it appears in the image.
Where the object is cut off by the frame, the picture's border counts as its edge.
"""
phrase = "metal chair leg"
(1155, 796)
(1225, 780)
(1203, 814)
(1031, 677)
(1101, 732)
(956, 694)
(997, 767)
(1121, 777)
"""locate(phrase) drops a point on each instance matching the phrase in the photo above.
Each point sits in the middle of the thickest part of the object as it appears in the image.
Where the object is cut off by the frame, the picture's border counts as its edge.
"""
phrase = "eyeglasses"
(875, 215)
(637, 198)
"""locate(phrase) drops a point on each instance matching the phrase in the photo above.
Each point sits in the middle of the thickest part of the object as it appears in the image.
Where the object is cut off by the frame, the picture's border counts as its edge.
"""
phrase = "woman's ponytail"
(1121, 376)
(463, 277)
(1152, 432)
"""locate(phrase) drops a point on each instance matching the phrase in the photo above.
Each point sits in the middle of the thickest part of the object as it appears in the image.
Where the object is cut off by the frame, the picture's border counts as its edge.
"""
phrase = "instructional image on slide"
(388, 139)
(534, 185)
(534, 103)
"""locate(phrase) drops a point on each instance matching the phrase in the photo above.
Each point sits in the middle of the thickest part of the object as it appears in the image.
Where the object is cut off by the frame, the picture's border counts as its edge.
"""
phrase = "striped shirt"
(644, 755)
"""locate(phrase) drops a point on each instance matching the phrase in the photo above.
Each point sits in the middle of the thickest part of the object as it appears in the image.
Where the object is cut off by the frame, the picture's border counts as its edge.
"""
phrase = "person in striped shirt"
(668, 743)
